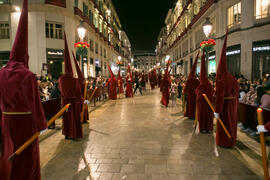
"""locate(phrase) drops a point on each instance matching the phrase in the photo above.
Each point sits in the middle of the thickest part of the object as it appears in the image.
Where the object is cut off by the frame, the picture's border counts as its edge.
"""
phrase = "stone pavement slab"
(136, 138)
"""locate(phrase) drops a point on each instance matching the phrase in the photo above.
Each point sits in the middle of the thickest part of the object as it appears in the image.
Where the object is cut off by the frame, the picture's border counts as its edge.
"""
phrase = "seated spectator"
(250, 97)
(55, 92)
(265, 100)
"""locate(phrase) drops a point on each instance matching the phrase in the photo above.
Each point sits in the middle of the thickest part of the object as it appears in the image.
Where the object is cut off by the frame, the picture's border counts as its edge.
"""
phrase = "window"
(54, 31)
(75, 3)
(262, 9)
(234, 15)
(91, 16)
(4, 30)
(85, 10)
(105, 53)
(101, 50)
(96, 48)
(91, 45)
(95, 21)
(4, 2)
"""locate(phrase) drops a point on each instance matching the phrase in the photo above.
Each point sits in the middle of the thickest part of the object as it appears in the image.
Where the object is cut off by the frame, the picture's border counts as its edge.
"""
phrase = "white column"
(36, 41)
(247, 20)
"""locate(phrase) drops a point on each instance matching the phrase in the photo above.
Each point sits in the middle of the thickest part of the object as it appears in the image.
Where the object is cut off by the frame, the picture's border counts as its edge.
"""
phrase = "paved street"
(138, 139)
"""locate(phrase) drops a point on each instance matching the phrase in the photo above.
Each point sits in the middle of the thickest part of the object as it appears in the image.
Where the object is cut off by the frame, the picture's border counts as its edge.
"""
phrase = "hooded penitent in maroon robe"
(152, 79)
(81, 81)
(113, 85)
(227, 91)
(159, 79)
(129, 90)
(165, 87)
(71, 93)
(189, 91)
(120, 83)
(204, 112)
(20, 104)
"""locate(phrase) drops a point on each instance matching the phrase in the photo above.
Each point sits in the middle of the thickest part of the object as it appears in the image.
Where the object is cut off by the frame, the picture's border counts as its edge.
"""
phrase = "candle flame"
(259, 110)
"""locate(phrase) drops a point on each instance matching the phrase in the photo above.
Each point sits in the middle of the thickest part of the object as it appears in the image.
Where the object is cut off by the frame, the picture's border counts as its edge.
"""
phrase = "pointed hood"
(110, 70)
(193, 69)
(79, 72)
(203, 75)
(129, 71)
(68, 66)
(19, 51)
(222, 65)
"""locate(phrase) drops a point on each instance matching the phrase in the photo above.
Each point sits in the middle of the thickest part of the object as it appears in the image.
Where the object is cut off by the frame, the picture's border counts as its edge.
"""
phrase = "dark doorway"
(55, 68)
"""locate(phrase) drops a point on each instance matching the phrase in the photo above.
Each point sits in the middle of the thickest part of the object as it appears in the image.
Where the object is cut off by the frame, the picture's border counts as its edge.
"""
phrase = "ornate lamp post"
(81, 51)
(207, 27)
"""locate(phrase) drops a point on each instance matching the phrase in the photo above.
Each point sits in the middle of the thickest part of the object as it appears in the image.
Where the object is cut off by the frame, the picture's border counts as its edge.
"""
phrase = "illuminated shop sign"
(233, 52)
(55, 53)
(262, 48)
(211, 57)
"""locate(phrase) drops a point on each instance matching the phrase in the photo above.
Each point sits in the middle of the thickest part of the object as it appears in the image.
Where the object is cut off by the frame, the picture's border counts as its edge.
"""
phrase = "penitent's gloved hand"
(43, 131)
(216, 115)
(261, 129)
(86, 102)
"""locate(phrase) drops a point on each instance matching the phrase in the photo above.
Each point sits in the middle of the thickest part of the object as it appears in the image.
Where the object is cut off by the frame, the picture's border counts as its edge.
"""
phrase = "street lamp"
(207, 27)
(81, 32)
(119, 58)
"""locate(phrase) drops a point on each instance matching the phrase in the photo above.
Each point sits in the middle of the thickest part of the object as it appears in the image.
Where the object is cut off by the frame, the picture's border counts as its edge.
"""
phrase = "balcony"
(60, 3)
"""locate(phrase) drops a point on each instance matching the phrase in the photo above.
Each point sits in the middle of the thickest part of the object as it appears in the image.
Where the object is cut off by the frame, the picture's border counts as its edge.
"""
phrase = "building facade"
(49, 19)
(248, 24)
(144, 60)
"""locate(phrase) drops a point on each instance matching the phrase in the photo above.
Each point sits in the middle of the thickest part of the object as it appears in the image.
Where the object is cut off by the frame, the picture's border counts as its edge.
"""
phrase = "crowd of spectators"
(255, 93)
(48, 88)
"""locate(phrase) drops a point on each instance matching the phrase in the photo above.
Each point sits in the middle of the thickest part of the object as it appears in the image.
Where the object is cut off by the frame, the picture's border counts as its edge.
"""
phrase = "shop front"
(234, 59)
(98, 68)
(260, 59)
(4, 57)
(212, 62)
(55, 59)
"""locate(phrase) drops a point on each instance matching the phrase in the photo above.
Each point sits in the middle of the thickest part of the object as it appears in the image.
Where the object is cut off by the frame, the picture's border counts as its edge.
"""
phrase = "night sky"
(142, 20)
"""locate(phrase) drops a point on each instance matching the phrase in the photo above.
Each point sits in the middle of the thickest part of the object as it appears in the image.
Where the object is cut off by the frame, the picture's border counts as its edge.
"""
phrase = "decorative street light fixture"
(82, 46)
(119, 58)
(207, 27)
(81, 31)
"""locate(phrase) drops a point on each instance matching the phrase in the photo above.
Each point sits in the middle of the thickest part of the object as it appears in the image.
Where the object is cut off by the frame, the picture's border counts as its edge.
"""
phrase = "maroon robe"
(81, 81)
(19, 94)
(227, 92)
(159, 79)
(189, 90)
(152, 80)
(204, 112)
(129, 90)
(113, 88)
(165, 87)
(120, 83)
(25, 98)
(71, 93)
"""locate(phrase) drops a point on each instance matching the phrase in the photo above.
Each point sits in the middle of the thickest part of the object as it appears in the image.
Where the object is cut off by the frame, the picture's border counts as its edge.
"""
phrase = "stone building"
(248, 24)
(144, 60)
(49, 19)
